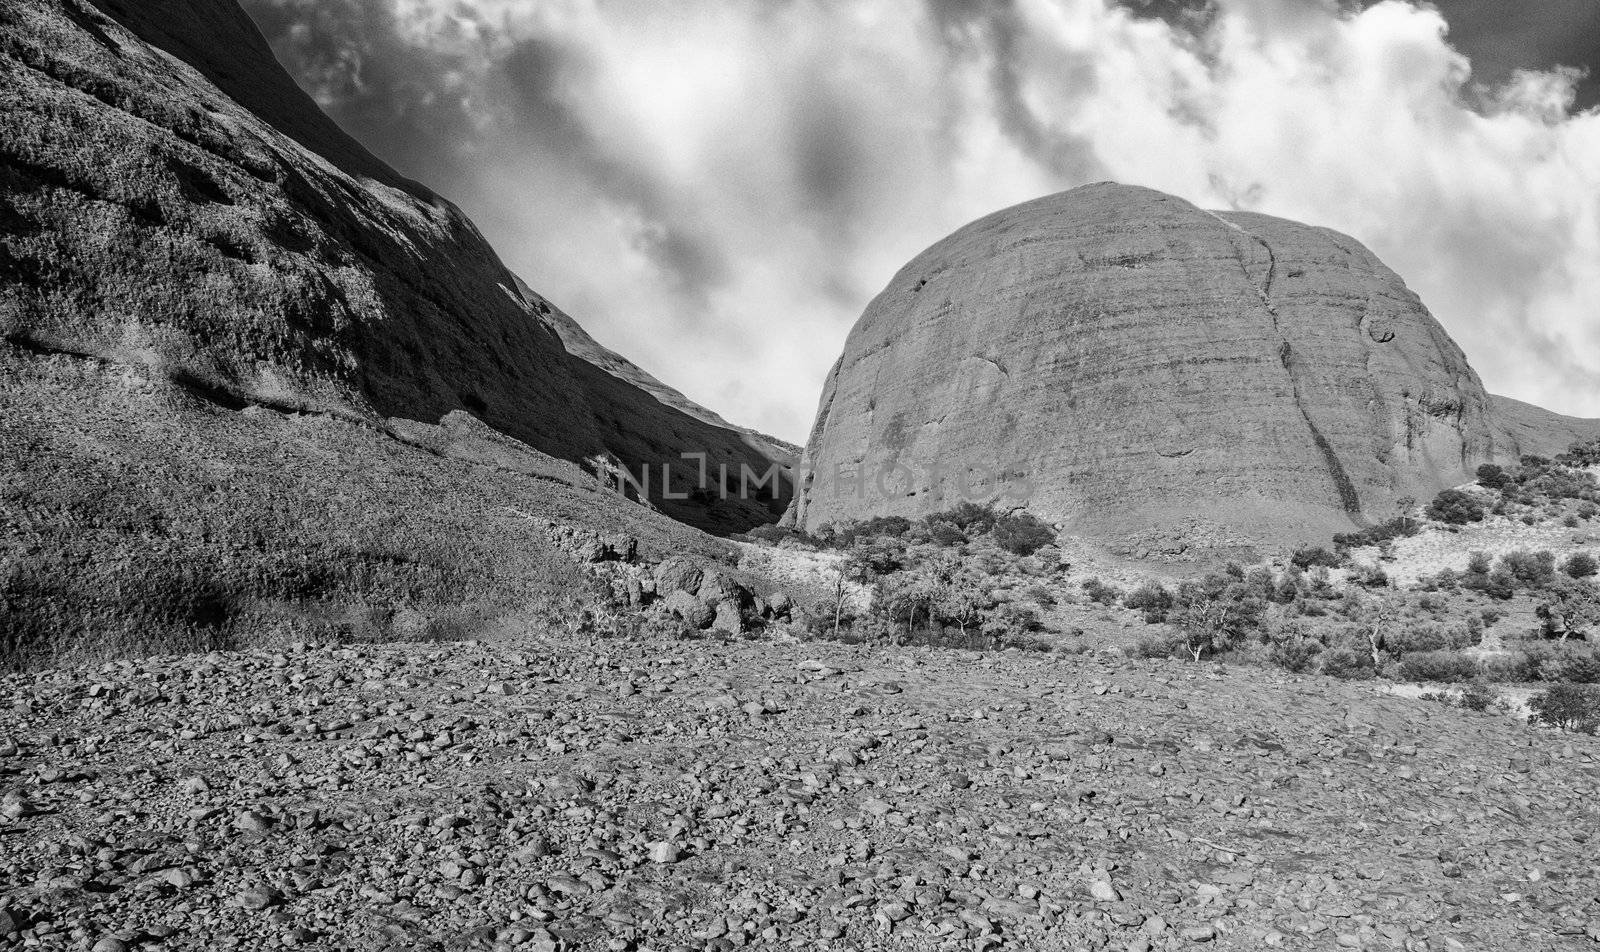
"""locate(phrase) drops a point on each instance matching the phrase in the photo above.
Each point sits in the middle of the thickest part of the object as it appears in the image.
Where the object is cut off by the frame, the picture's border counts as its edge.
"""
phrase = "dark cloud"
(1499, 36)
(996, 28)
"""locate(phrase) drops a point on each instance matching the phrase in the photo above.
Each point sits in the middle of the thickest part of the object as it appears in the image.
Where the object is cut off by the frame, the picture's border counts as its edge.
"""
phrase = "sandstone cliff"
(1151, 374)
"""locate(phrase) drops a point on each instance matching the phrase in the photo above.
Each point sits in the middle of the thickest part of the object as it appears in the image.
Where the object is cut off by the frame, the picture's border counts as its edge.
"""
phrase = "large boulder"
(1150, 374)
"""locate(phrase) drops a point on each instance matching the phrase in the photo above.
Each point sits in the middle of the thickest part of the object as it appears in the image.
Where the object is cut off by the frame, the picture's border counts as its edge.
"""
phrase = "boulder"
(678, 574)
(692, 609)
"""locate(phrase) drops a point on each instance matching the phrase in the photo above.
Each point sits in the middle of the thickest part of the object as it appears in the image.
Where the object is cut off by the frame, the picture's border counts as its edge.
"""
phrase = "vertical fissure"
(1349, 499)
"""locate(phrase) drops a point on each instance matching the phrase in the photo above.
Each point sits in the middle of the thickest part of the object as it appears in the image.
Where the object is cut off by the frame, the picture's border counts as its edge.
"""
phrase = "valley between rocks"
(572, 791)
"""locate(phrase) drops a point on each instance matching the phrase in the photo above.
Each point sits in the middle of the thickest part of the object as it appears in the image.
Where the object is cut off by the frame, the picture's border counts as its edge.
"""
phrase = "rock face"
(173, 202)
(1147, 371)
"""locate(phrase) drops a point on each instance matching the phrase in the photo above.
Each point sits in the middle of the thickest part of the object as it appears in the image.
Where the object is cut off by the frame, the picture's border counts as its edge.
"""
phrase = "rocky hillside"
(1146, 371)
(252, 381)
(570, 793)
(178, 205)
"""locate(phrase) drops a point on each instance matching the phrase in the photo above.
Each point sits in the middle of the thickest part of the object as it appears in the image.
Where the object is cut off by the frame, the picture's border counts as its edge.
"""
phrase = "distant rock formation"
(1152, 375)
(174, 202)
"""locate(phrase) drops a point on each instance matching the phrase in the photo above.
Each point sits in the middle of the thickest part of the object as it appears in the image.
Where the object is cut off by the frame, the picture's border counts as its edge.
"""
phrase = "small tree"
(1581, 565)
(1455, 508)
(1491, 476)
(1403, 507)
(1570, 608)
(1215, 613)
(1570, 707)
(1375, 618)
(1022, 533)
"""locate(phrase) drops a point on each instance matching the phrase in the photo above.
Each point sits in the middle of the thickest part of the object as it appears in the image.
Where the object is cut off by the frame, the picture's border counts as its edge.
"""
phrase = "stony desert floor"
(610, 794)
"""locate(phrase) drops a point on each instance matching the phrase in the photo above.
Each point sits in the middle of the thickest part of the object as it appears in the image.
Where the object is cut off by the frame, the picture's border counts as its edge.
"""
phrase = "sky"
(717, 188)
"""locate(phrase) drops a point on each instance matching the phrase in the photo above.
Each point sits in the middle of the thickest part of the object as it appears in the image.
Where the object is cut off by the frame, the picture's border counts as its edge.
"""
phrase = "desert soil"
(567, 792)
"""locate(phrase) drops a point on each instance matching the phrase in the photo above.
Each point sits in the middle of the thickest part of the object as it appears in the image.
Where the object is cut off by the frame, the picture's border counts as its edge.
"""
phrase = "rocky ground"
(567, 792)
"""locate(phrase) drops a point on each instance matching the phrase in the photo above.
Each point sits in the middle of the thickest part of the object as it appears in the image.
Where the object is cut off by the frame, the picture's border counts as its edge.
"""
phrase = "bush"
(1153, 599)
(1315, 555)
(1575, 663)
(1479, 696)
(1530, 569)
(969, 517)
(1581, 565)
(1479, 563)
(1491, 476)
(1444, 667)
(946, 534)
(1570, 707)
(1295, 655)
(1022, 533)
(1428, 636)
(1100, 593)
(1163, 645)
(1582, 454)
(1369, 576)
(1347, 664)
(1378, 534)
(1455, 507)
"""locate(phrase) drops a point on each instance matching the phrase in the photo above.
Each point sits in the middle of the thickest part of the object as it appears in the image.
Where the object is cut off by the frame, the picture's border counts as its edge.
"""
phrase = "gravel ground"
(611, 794)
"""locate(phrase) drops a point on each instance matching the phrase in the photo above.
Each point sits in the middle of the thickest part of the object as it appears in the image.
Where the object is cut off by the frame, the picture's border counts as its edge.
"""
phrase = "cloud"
(717, 190)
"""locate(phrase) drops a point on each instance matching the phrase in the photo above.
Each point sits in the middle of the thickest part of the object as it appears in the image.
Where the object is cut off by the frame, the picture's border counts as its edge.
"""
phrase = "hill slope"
(242, 358)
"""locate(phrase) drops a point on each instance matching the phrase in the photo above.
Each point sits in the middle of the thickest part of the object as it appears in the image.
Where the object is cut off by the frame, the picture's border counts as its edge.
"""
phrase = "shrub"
(1295, 655)
(1493, 477)
(969, 517)
(1022, 533)
(1530, 569)
(1429, 636)
(1375, 535)
(946, 534)
(1479, 695)
(1153, 599)
(1100, 593)
(1315, 555)
(1347, 664)
(1570, 707)
(1455, 507)
(1479, 563)
(1444, 667)
(1575, 663)
(1164, 645)
(1581, 565)
(1369, 576)
(1582, 454)
(1499, 584)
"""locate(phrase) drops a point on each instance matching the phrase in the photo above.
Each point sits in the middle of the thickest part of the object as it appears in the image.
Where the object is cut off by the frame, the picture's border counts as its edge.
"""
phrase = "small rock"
(256, 898)
(1103, 891)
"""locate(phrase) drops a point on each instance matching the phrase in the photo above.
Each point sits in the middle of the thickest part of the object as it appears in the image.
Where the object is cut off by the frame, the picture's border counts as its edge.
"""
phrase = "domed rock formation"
(1149, 373)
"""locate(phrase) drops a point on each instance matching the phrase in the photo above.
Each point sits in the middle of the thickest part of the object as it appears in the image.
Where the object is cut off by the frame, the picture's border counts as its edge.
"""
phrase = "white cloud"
(716, 190)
